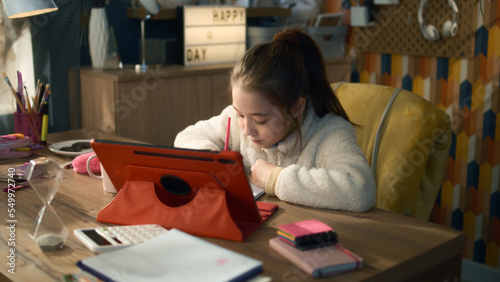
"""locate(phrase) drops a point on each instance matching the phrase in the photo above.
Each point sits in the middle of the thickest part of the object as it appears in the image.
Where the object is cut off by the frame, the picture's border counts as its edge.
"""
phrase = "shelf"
(139, 14)
(128, 73)
(268, 12)
(170, 14)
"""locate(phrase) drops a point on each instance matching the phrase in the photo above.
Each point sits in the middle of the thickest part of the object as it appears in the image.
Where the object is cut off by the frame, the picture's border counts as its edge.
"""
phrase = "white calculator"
(103, 239)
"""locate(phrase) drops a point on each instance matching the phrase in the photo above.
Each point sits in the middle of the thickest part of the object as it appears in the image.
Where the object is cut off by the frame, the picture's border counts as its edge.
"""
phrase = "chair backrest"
(413, 138)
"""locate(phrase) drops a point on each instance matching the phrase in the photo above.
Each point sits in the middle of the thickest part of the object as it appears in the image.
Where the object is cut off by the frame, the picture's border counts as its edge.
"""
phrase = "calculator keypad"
(132, 234)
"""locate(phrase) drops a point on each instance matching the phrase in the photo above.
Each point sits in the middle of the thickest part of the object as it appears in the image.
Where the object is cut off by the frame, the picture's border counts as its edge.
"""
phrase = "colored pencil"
(227, 133)
(19, 103)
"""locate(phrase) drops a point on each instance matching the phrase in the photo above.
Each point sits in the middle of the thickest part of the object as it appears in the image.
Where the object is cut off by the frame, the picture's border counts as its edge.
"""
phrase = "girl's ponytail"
(286, 69)
(319, 91)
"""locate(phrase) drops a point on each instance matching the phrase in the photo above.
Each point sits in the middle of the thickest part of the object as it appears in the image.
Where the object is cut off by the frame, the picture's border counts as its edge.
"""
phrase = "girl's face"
(260, 120)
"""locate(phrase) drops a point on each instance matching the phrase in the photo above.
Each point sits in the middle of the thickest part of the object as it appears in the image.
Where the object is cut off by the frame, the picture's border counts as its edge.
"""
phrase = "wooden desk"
(394, 247)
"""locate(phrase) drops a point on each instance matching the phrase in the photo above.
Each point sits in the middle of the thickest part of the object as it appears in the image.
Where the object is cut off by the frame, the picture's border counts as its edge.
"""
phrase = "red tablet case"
(221, 204)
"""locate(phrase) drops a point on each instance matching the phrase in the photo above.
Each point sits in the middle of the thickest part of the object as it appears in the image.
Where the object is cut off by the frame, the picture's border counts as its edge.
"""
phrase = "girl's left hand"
(261, 171)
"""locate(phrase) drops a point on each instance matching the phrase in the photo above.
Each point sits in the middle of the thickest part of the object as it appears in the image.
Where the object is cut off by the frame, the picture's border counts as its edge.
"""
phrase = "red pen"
(19, 186)
(227, 133)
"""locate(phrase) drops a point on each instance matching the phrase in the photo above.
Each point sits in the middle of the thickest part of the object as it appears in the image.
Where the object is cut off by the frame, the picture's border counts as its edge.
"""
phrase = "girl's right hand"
(261, 171)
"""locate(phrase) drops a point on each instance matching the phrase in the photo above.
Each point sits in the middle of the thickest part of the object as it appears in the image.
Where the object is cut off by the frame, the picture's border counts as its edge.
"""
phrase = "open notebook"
(172, 256)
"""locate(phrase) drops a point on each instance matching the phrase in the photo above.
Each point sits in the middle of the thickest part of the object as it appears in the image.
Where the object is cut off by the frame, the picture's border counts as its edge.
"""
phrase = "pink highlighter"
(227, 133)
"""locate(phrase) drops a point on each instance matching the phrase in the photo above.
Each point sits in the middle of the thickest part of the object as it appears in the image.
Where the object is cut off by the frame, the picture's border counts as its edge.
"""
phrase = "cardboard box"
(330, 39)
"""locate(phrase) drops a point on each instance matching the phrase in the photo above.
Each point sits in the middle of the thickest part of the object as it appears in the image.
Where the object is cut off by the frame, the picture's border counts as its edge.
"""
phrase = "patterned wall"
(468, 90)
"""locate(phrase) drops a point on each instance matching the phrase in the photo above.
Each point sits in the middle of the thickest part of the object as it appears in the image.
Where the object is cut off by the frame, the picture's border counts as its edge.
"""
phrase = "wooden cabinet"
(154, 106)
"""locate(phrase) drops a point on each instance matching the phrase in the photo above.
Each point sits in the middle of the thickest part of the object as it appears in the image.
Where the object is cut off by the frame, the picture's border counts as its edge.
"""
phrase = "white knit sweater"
(329, 172)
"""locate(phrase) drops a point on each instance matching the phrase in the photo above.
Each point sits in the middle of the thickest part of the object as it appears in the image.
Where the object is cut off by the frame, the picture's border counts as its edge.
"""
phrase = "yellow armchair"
(405, 139)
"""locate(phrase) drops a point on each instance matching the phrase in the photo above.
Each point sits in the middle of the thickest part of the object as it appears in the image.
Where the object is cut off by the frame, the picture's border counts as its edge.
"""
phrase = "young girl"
(295, 138)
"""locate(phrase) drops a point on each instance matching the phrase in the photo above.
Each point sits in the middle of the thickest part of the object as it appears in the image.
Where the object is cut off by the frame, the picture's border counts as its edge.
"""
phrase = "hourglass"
(44, 176)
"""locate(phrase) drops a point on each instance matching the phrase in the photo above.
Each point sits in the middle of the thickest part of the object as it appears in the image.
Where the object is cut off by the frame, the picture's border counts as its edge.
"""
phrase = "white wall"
(18, 58)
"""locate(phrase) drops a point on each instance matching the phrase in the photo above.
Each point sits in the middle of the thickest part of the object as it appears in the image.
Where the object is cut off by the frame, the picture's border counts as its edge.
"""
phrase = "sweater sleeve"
(338, 176)
(207, 134)
(271, 181)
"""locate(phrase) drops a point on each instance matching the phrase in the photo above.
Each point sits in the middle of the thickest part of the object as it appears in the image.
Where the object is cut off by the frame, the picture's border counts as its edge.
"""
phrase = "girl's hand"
(261, 171)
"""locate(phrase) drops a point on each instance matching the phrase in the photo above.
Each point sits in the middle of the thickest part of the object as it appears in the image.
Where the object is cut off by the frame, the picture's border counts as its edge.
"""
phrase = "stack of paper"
(172, 256)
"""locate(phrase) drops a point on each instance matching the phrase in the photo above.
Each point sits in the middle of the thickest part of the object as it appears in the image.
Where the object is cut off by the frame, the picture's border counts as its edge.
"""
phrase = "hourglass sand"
(44, 176)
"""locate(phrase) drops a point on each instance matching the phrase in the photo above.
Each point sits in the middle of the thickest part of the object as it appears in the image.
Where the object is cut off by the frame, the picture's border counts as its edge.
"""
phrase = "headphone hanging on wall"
(430, 32)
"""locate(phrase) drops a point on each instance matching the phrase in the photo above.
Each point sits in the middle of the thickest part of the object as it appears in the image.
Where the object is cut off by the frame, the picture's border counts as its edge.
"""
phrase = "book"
(307, 234)
(172, 256)
(321, 261)
(257, 191)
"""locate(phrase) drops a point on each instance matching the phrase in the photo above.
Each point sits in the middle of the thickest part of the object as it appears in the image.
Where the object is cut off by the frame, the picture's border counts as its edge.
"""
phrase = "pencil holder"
(30, 125)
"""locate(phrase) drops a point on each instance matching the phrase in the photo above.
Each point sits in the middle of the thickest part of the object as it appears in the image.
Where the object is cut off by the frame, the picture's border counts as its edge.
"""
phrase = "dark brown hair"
(289, 67)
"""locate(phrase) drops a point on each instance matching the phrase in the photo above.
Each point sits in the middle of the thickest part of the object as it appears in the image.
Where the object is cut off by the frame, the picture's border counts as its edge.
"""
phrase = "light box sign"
(213, 34)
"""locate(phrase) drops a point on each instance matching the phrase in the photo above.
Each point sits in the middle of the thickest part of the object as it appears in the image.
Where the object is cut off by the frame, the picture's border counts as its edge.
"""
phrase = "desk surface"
(394, 247)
